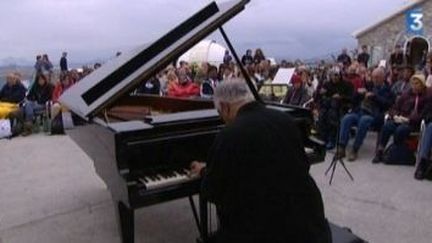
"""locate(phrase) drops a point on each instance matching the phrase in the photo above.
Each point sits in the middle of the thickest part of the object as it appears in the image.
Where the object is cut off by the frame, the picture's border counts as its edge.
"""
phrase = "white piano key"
(176, 178)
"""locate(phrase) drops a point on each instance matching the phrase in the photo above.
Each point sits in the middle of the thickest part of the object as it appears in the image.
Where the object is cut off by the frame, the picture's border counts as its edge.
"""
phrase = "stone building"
(410, 27)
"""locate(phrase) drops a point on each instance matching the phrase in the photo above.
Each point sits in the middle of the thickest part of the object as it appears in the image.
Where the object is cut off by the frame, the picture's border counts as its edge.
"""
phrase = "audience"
(183, 86)
(39, 94)
(405, 116)
(403, 83)
(298, 94)
(259, 56)
(370, 112)
(12, 93)
(363, 57)
(346, 94)
(63, 63)
(397, 57)
(47, 66)
(62, 85)
(344, 58)
(210, 83)
(227, 59)
(150, 86)
(334, 99)
(247, 58)
(424, 168)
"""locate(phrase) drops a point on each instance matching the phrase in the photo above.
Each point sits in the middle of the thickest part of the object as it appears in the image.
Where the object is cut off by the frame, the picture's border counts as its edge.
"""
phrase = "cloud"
(89, 29)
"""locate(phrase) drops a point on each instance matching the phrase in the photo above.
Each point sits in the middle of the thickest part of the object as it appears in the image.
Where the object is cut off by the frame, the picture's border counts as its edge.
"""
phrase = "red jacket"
(356, 81)
(187, 90)
(59, 88)
(405, 106)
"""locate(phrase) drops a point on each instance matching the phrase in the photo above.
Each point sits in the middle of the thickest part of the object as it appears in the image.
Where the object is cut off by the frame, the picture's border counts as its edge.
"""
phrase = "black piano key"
(180, 171)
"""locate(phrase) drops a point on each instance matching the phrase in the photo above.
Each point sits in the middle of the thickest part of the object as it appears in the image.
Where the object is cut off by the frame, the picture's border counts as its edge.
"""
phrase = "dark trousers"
(327, 125)
(400, 133)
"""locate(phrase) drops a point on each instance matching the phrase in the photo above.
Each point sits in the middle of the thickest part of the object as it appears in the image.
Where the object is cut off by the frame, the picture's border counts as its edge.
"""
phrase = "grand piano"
(142, 145)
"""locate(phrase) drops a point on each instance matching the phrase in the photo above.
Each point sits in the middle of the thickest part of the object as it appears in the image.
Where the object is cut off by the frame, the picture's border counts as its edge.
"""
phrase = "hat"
(420, 77)
(296, 79)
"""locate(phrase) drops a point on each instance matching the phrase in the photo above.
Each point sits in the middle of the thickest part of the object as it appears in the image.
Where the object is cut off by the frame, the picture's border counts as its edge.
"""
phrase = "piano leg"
(125, 217)
(195, 214)
(203, 219)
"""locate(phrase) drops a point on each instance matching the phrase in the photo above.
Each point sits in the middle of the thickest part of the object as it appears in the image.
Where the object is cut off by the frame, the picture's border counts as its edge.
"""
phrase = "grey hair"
(232, 91)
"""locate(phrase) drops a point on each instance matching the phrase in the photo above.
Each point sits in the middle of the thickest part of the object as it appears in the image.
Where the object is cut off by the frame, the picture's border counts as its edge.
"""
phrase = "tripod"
(336, 157)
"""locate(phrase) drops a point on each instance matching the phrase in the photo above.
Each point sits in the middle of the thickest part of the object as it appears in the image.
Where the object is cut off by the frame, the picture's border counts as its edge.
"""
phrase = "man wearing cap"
(405, 116)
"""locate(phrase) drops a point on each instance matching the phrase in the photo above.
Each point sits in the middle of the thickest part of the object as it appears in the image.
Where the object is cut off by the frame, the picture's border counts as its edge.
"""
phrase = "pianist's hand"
(196, 167)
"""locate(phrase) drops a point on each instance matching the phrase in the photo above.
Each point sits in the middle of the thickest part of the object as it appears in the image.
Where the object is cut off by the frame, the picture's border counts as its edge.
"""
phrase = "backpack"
(399, 154)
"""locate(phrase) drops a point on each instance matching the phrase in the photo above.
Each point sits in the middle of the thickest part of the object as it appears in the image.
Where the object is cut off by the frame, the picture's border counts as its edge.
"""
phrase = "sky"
(96, 29)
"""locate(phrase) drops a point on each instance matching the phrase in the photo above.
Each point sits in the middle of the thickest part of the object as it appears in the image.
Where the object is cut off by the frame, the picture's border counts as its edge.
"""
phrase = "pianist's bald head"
(230, 96)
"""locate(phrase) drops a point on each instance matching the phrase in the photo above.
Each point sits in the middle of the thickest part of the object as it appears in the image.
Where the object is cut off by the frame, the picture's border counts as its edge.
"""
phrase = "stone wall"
(383, 38)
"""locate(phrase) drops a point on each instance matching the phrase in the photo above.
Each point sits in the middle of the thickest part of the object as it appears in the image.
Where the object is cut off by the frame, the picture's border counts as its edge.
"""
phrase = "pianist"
(258, 176)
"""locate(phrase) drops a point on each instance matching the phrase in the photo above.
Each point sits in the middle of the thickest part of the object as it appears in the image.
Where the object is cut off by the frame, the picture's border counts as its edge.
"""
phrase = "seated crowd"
(24, 106)
(343, 95)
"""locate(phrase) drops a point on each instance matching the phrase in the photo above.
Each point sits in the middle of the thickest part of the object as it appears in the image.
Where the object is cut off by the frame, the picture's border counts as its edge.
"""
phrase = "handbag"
(399, 154)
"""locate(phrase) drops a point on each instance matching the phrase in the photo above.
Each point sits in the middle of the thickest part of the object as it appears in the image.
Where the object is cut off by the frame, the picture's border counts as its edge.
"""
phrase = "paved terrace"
(49, 192)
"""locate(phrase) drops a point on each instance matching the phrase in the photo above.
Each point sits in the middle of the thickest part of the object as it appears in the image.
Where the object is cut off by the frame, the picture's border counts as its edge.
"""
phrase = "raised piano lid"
(123, 74)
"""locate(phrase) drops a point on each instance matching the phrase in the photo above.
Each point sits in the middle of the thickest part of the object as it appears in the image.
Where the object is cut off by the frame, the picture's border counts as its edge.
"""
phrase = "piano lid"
(123, 74)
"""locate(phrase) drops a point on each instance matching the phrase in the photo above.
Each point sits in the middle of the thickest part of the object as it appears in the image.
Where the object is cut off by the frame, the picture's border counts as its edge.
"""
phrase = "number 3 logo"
(417, 21)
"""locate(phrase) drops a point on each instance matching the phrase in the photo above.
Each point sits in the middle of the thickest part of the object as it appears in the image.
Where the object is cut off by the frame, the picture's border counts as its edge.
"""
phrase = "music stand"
(336, 157)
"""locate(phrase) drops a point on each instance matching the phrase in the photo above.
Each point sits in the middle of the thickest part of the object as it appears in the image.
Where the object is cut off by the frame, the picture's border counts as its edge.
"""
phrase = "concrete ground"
(49, 192)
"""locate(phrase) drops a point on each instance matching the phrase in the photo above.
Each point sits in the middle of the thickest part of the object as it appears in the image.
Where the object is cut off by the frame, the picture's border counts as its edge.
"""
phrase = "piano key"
(158, 181)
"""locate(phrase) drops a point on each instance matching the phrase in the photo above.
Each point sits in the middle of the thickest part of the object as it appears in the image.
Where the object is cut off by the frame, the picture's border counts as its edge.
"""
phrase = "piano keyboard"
(165, 179)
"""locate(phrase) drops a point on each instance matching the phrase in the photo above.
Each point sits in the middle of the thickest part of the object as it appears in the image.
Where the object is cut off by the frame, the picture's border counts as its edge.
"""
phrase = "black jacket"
(345, 59)
(258, 177)
(246, 59)
(63, 64)
(396, 59)
(40, 94)
(12, 94)
(363, 58)
(345, 90)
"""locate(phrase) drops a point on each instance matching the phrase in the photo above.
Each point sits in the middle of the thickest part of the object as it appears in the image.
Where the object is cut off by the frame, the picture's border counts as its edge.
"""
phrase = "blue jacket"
(12, 94)
(378, 104)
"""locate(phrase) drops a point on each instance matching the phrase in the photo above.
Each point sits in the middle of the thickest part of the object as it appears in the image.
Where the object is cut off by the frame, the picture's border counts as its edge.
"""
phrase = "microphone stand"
(336, 158)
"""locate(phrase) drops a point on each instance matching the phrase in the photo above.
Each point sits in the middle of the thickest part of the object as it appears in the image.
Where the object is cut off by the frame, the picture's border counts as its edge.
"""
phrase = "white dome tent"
(205, 51)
